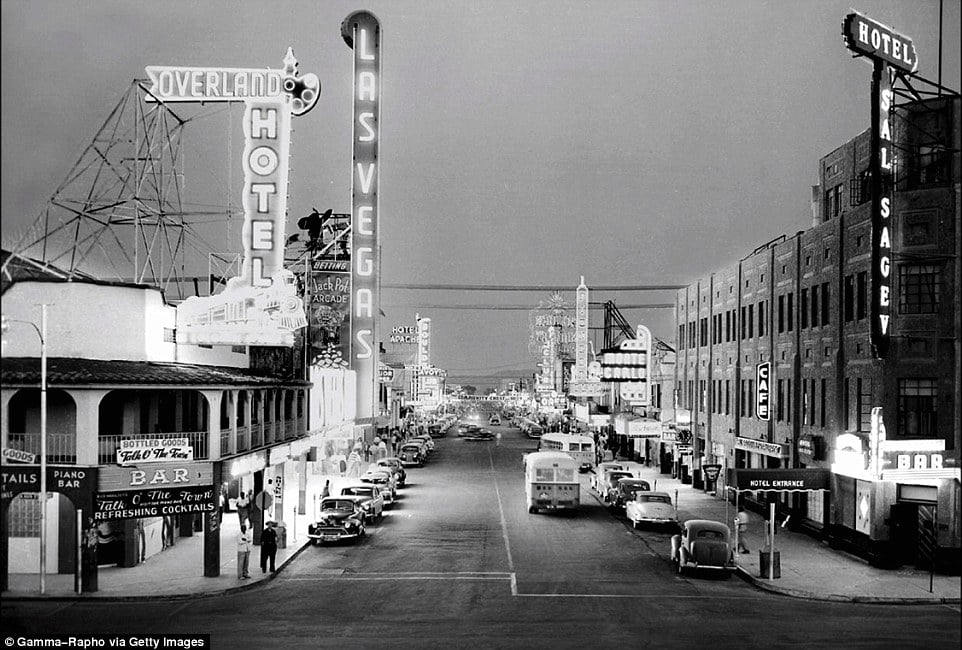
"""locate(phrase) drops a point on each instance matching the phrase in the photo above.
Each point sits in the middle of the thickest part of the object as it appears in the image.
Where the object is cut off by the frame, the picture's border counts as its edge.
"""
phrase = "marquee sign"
(261, 306)
(876, 41)
(362, 33)
(763, 394)
(888, 51)
(581, 333)
(142, 450)
(782, 480)
(134, 504)
(554, 316)
(761, 447)
(424, 342)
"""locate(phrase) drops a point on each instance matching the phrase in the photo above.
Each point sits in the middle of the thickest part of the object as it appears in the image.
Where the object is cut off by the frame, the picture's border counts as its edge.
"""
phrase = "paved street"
(459, 562)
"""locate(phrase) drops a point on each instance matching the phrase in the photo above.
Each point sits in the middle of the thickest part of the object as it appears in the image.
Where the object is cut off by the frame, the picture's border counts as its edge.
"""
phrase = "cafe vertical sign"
(889, 52)
(362, 33)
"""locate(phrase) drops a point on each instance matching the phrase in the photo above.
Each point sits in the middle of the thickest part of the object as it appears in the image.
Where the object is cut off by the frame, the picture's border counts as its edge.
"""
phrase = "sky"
(632, 142)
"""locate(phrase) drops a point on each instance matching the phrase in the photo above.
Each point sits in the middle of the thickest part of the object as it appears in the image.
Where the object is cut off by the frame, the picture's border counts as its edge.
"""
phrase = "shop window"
(24, 516)
(918, 407)
(919, 288)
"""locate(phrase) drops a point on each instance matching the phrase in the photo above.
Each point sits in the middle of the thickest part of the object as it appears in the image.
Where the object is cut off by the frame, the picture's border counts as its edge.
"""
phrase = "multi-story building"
(886, 426)
(128, 411)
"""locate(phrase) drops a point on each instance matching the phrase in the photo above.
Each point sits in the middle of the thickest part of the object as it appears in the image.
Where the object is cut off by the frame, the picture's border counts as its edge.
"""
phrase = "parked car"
(603, 468)
(609, 483)
(411, 453)
(338, 518)
(369, 498)
(393, 463)
(428, 442)
(703, 544)
(385, 481)
(625, 490)
(653, 508)
(466, 430)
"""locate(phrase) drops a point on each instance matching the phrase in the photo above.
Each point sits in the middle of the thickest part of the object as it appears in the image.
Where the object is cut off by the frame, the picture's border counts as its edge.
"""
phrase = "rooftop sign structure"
(873, 39)
(261, 306)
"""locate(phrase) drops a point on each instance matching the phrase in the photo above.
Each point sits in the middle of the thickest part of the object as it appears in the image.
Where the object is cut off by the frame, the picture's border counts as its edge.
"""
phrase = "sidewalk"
(176, 572)
(809, 568)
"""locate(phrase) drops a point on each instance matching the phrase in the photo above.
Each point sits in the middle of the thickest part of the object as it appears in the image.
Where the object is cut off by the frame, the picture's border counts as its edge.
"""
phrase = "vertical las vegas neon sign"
(362, 33)
(888, 51)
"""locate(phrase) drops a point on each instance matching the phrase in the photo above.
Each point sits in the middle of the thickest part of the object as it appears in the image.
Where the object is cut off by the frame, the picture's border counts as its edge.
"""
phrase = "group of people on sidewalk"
(245, 540)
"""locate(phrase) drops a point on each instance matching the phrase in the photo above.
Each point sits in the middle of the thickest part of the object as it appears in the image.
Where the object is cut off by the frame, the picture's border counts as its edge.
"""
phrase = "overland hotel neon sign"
(361, 32)
(889, 51)
(261, 306)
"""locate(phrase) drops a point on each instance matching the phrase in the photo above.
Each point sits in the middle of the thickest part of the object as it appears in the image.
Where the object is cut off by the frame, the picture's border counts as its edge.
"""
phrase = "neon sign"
(875, 40)
(762, 377)
(362, 33)
(424, 341)
(261, 306)
(581, 332)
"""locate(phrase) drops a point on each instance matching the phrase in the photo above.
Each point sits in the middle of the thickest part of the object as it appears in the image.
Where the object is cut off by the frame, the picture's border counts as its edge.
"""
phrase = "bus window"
(545, 474)
(565, 475)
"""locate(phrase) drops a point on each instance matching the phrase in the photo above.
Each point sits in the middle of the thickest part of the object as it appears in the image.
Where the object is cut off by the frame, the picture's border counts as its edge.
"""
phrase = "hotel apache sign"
(261, 306)
(361, 32)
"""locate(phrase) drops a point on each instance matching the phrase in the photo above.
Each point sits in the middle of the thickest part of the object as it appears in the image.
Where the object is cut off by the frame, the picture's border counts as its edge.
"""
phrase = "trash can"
(281, 531)
(764, 562)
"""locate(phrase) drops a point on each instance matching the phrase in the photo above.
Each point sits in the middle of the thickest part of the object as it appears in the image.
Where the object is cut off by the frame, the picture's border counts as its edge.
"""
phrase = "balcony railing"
(108, 444)
(61, 447)
(257, 436)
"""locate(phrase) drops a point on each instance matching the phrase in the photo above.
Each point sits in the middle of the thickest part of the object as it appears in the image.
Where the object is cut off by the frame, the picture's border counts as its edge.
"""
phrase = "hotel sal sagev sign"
(261, 305)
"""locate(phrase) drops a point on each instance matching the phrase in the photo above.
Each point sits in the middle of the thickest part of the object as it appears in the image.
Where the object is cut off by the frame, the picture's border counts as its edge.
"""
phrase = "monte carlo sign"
(260, 306)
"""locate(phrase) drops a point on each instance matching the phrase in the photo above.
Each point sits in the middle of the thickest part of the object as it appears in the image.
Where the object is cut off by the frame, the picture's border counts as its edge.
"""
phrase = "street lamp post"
(42, 333)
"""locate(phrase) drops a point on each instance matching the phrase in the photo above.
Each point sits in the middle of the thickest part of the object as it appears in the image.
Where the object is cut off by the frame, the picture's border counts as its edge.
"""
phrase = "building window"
(788, 400)
(861, 295)
(849, 308)
(833, 202)
(803, 308)
(781, 313)
(24, 517)
(728, 397)
(860, 190)
(761, 318)
(779, 407)
(170, 335)
(751, 397)
(790, 311)
(822, 403)
(751, 322)
(919, 288)
(815, 305)
(918, 402)
(826, 299)
(918, 228)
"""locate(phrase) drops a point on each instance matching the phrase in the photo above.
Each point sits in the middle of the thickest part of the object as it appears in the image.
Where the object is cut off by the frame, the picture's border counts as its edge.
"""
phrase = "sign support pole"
(43, 449)
(771, 545)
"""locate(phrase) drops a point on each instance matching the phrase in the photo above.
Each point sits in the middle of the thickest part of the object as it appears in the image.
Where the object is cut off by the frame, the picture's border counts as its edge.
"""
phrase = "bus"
(551, 481)
(581, 448)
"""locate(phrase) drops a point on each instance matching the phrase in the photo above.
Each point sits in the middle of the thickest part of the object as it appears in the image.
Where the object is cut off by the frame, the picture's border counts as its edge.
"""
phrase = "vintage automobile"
(703, 544)
(609, 482)
(338, 518)
(625, 490)
(494, 420)
(480, 435)
(385, 481)
(368, 496)
(601, 470)
(411, 453)
(653, 508)
(428, 442)
(393, 464)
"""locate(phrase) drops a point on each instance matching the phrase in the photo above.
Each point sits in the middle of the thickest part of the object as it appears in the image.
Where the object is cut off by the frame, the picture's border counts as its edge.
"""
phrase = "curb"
(764, 585)
(165, 597)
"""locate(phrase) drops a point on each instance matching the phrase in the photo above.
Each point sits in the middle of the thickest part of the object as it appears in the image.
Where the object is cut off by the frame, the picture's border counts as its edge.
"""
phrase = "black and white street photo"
(483, 324)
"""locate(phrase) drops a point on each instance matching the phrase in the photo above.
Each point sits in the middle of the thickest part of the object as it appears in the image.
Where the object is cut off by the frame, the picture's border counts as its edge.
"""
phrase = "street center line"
(504, 525)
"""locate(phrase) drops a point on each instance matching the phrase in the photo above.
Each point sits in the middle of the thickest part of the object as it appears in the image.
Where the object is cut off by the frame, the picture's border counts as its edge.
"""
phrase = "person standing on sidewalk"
(243, 505)
(268, 546)
(741, 523)
(243, 553)
(497, 439)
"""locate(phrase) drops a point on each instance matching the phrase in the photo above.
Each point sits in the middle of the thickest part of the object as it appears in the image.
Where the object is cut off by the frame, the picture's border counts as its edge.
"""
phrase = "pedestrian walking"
(326, 492)
(243, 505)
(497, 439)
(741, 524)
(243, 553)
(268, 546)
